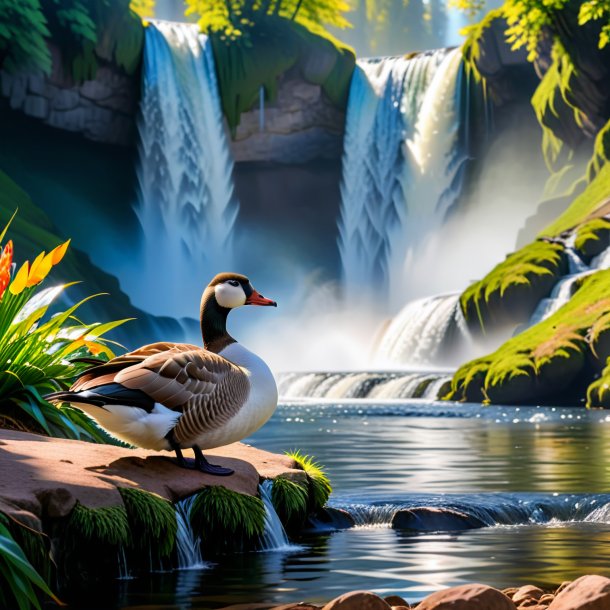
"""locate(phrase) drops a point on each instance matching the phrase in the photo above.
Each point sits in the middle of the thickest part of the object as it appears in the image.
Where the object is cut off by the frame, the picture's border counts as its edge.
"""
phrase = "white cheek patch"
(230, 296)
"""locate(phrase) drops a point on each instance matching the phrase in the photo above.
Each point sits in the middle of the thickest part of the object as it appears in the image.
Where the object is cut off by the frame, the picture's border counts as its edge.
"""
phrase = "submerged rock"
(431, 519)
(329, 519)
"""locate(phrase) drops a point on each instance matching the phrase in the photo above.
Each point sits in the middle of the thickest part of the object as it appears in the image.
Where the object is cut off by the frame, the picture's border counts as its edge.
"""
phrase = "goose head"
(225, 292)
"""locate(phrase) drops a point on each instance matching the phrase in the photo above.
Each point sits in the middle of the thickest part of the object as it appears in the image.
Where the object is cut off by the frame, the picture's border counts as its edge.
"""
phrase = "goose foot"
(204, 466)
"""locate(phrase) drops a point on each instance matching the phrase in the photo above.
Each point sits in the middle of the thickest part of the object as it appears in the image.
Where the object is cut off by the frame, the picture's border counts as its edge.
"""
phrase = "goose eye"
(233, 282)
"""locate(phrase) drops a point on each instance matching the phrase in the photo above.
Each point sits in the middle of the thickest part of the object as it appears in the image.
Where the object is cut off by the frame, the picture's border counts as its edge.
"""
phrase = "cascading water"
(188, 550)
(419, 332)
(274, 537)
(402, 165)
(371, 386)
(186, 204)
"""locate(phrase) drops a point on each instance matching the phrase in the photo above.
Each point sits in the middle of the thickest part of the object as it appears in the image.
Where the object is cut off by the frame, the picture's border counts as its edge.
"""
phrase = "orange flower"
(20, 280)
(6, 260)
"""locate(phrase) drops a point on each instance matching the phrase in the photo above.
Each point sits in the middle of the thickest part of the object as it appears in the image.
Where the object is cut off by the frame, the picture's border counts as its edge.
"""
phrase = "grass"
(592, 238)
(227, 521)
(534, 269)
(544, 360)
(290, 500)
(319, 483)
(152, 521)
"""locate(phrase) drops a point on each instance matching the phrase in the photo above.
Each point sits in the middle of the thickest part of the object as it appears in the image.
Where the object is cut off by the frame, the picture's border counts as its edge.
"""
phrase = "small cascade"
(122, 566)
(361, 385)
(486, 511)
(404, 153)
(187, 544)
(274, 537)
(186, 205)
(421, 331)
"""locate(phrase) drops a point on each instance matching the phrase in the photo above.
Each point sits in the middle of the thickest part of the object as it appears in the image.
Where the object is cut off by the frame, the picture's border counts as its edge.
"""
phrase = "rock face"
(44, 477)
(103, 109)
(299, 126)
(467, 597)
(585, 593)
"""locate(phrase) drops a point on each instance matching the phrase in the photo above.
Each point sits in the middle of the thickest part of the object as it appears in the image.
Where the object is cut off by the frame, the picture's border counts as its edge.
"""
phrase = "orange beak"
(258, 299)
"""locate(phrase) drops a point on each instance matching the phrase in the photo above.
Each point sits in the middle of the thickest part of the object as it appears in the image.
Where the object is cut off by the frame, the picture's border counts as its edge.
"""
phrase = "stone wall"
(299, 126)
(102, 109)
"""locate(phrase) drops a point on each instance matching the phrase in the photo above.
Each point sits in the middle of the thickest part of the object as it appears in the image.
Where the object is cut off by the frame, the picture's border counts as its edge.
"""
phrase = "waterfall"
(186, 205)
(274, 537)
(356, 384)
(402, 165)
(418, 334)
(188, 550)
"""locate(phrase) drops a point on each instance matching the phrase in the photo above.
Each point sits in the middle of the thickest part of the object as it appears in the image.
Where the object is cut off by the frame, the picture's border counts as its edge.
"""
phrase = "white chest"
(258, 408)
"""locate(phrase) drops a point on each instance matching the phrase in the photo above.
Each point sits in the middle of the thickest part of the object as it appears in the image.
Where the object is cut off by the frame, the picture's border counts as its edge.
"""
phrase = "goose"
(172, 396)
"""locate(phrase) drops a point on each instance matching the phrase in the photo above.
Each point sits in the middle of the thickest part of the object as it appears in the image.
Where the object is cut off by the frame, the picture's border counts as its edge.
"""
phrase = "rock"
(36, 106)
(37, 85)
(586, 593)
(299, 606)
(396, 601)
(65, 99)
(467, 597)
(330, 519)
(547, 598)
(526, 594)
(18, 92)
(357, 600)
(45, 477)
(431, 519)
(510, 591)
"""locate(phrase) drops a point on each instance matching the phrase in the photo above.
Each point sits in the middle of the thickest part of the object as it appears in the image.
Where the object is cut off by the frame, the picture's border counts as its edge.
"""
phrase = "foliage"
(537, 259)
(226, 520)
(20, 583)
(144, 8)
(556, 348)
(96, 526)
(23, 33)
(34, 348)
(319, 484)
(290, 500)
(471, 49)
(85, 31)
(233, 19)
(593, 10)
(152, 520)
(554, 88)
(271, 48)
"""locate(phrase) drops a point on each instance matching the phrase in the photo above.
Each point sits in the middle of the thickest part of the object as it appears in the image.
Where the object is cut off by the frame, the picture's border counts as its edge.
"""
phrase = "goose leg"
(202, 464)
(180, 459)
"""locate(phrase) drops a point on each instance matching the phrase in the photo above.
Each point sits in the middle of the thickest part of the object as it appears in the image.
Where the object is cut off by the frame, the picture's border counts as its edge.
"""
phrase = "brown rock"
(528, 593)
(41, 476)
(299, 606)
(396, 601)
(586, 593)
(467, 597)
(510, 591)
(562, 586)
(547, 598)
(357, 600)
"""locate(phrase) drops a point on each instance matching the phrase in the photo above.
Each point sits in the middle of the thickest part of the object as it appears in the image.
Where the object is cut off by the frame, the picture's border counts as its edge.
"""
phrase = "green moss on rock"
(272, 47)
(592, 238)
(319, 485)
(227, 521)
(552, 361)
(290, 500)
(509, 294)
(152, 521)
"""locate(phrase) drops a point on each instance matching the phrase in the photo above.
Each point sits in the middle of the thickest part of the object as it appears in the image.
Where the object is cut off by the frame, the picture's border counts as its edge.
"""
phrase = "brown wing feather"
(206, 387)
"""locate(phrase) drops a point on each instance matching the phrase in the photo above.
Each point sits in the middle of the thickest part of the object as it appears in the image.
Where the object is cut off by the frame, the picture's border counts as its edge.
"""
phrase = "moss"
(547, 360)
(598, 392)
(290, 500)
(274, 46)
(152, 521)
(592, 201)
(319, 484)
(227, 521)
(511, 291)
(592, 238)
(471, 49)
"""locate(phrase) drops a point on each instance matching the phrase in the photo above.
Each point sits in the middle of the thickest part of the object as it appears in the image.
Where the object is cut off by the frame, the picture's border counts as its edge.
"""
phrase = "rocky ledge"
(42, 477)
(586, 593)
